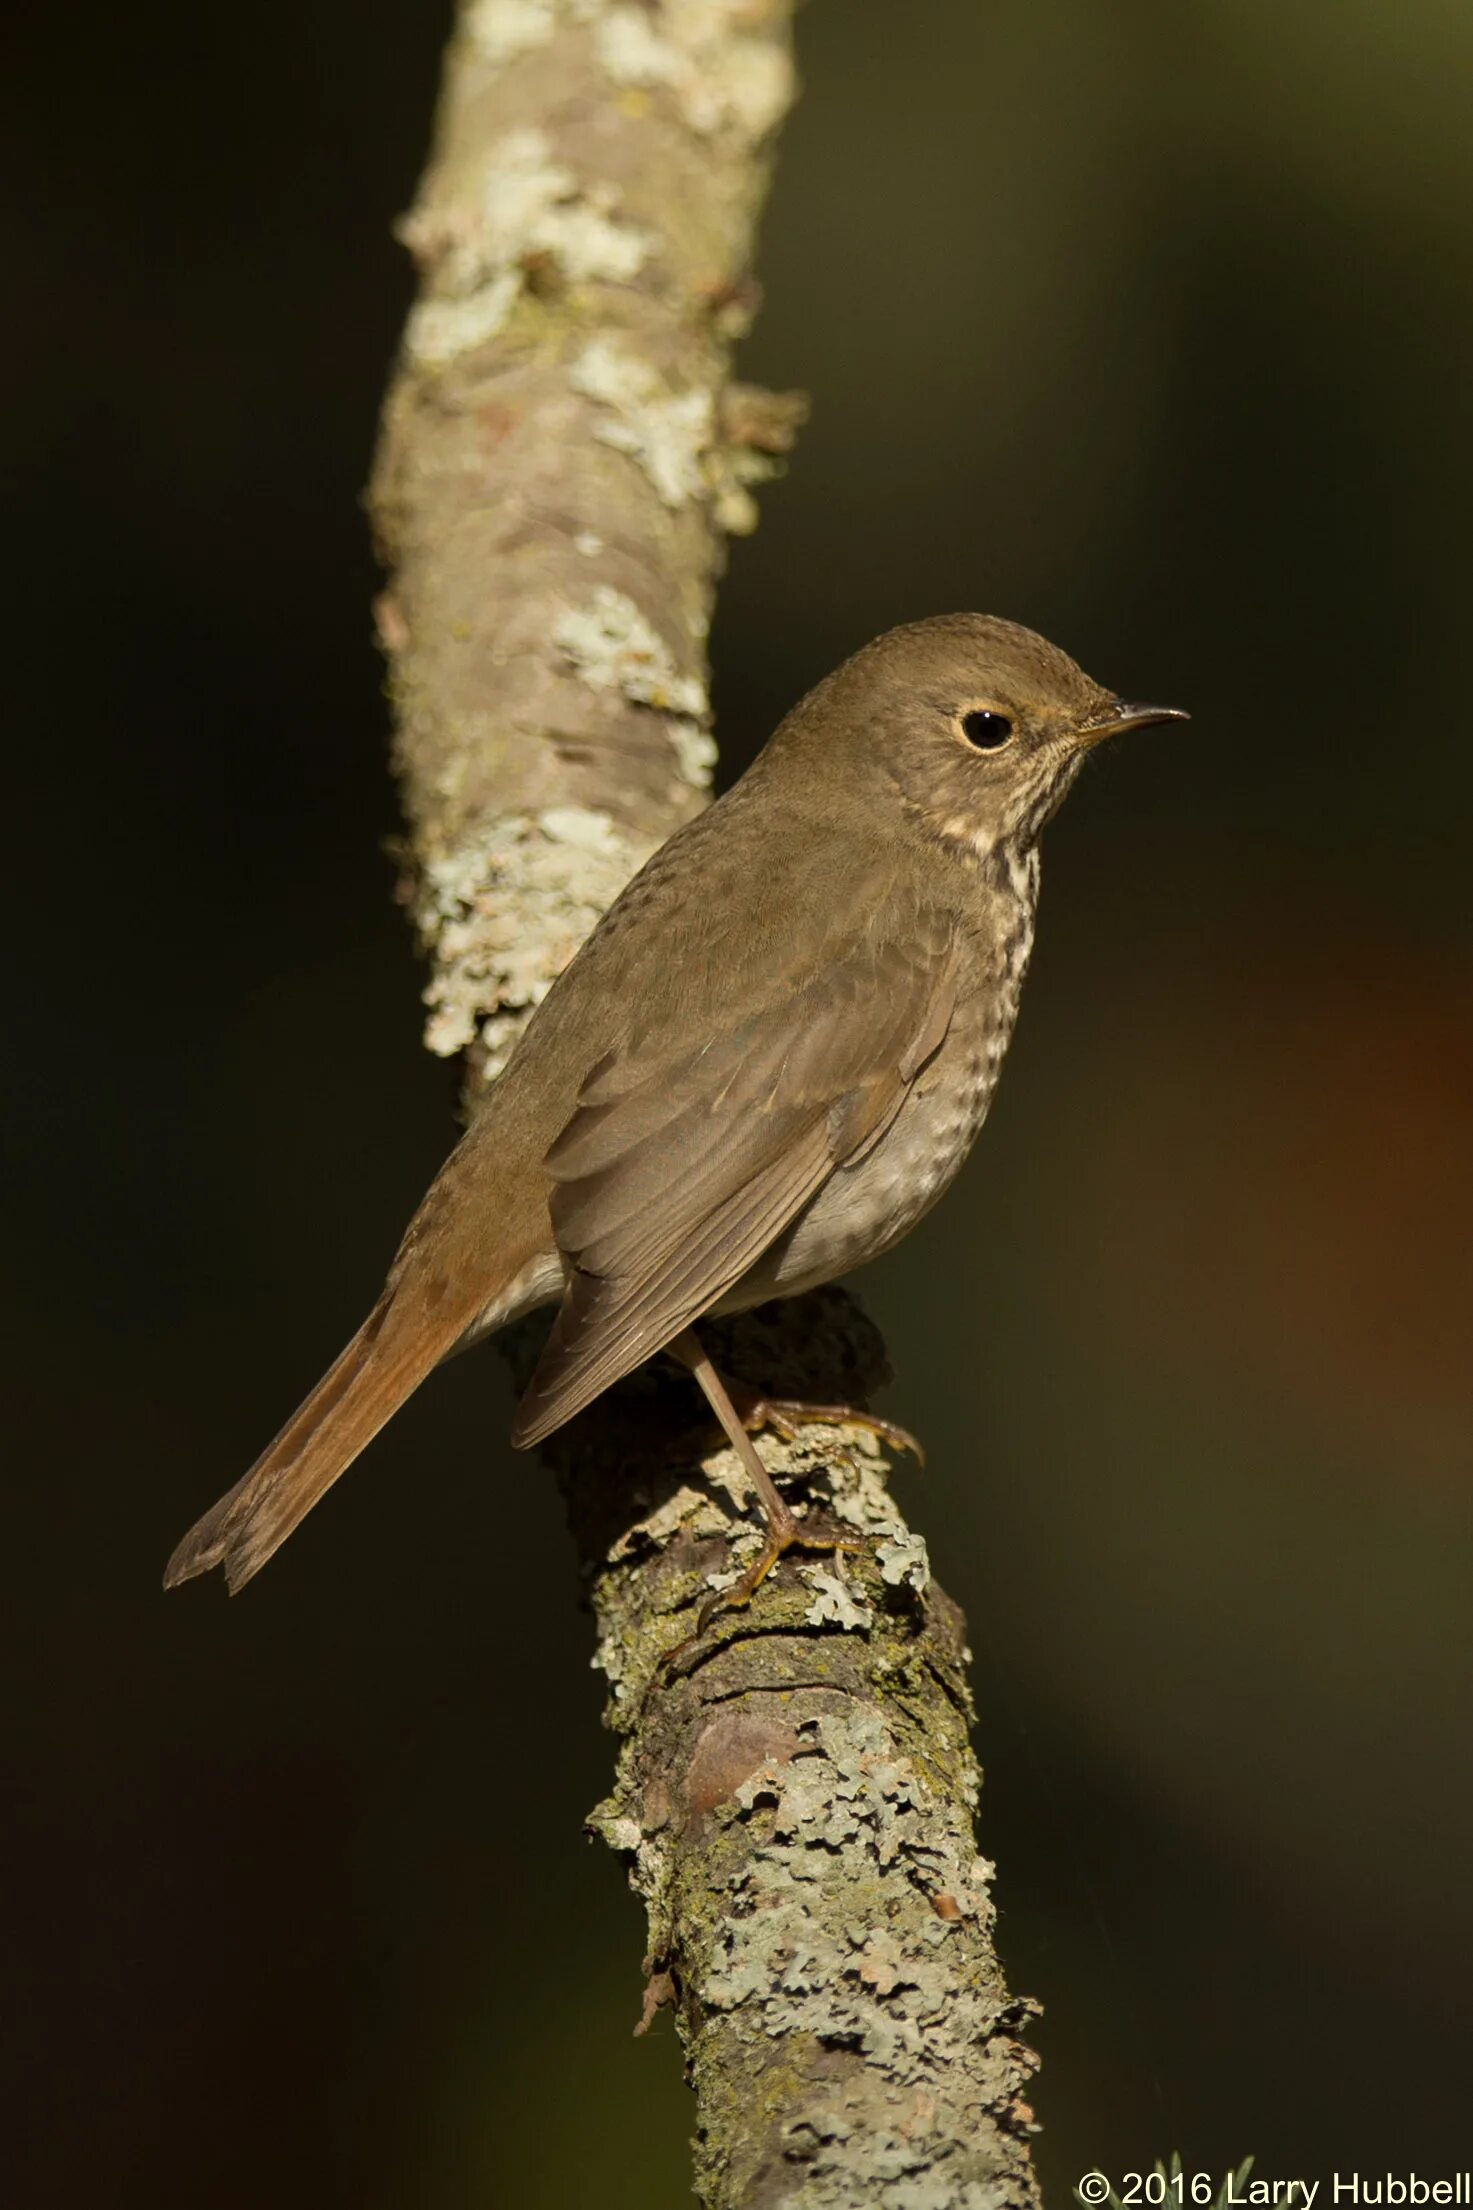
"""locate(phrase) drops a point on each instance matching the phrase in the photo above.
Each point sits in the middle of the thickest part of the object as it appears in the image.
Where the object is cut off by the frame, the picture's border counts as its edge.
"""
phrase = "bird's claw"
(785, 1416)
(793, 1534)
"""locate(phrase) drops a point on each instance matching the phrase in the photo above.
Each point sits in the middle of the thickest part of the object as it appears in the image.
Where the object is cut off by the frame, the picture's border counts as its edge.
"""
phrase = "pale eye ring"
(985, 729)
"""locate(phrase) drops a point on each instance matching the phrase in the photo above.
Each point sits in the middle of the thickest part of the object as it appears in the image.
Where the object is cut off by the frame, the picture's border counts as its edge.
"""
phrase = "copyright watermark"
(1171, 2188)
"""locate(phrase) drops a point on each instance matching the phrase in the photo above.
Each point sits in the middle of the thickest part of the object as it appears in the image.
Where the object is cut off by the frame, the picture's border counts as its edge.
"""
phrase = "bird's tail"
(360, 1391)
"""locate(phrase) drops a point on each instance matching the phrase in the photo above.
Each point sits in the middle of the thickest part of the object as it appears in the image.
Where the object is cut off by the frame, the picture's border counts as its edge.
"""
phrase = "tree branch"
(562, 450)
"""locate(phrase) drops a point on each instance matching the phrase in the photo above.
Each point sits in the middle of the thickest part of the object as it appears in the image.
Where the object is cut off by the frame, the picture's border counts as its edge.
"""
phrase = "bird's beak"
(1128, 714)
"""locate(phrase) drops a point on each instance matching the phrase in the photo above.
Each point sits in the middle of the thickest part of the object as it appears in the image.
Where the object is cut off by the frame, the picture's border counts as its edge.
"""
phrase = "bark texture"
(796, 1797)
(562, 452)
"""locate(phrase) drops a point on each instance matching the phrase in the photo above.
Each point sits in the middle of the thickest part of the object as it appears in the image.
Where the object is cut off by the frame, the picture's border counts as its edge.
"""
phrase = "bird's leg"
(785, 1531)
(689, 1349)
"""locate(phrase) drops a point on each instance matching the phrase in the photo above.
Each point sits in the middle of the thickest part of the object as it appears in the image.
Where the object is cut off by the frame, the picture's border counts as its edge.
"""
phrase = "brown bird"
(765, 1064)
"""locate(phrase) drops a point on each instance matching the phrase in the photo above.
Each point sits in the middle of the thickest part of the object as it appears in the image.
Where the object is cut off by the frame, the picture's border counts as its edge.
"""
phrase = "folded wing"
(676, 1172)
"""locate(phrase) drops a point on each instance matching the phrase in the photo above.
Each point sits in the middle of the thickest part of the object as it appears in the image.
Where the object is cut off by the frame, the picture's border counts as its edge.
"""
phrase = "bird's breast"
(864, 1209)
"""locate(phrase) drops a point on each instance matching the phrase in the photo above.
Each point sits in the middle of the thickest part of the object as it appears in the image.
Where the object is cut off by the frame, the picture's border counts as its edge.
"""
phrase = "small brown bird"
(765, 1064)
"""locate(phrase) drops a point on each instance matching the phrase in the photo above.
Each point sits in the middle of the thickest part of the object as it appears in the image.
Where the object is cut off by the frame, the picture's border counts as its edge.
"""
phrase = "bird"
(763, 1066)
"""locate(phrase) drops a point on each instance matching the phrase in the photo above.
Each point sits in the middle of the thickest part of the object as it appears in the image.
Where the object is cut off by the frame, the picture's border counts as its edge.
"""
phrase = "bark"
(562, 451)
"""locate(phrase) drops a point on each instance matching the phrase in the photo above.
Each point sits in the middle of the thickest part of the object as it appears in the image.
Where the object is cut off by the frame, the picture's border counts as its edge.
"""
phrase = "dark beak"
(1128, 714)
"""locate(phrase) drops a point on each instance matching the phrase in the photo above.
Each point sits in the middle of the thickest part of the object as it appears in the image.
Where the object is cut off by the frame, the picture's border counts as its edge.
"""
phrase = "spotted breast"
(864, 1209)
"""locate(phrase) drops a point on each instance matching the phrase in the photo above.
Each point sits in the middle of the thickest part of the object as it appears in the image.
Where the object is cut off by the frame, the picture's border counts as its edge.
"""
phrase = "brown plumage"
(766, 1062)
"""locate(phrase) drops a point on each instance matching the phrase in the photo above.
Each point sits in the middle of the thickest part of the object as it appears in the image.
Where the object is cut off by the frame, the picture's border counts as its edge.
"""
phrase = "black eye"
(985, 729)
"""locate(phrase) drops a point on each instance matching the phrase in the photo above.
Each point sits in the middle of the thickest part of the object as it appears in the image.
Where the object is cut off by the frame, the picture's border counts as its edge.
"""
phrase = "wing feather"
(674, 1174)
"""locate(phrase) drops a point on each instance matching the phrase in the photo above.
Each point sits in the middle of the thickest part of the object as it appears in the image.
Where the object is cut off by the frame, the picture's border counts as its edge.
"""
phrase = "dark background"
(1148, 324)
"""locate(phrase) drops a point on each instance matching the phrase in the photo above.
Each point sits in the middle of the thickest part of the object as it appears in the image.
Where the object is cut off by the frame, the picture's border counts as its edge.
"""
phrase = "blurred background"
(1149, 325)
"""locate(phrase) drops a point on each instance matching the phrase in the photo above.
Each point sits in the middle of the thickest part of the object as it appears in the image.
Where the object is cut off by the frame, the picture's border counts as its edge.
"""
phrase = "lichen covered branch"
(795, 1795)
(562, 451)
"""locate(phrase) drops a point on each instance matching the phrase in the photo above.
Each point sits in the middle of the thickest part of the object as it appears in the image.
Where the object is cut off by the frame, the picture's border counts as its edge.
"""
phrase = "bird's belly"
(862, 1210)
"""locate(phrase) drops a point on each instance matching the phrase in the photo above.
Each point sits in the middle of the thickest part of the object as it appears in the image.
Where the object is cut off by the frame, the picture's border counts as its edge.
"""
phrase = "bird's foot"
(789, 1533)
(785, 1416)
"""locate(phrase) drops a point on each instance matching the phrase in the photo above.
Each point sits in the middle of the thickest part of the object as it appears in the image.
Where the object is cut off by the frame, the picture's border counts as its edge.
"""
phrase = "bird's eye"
(985, 729)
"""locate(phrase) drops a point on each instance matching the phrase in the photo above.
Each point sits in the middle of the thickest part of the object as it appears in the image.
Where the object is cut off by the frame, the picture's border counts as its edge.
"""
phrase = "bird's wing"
(674, 1175)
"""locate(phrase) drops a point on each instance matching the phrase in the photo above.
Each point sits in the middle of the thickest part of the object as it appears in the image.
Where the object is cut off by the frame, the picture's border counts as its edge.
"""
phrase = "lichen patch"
(852, 1810)
(695, 752)
(615, 648)
(500, 30)
(666, 432)
(834, 1601)
(530, 208)
(505, 910)
(702, 52)
(438, 330)
(904, 1561)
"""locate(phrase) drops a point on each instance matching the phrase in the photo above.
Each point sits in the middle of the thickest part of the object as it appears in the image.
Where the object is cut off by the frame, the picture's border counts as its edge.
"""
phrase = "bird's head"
(980, 724)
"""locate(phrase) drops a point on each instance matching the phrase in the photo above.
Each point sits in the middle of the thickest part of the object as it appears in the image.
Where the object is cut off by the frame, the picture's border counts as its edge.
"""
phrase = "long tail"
(361, 1390)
